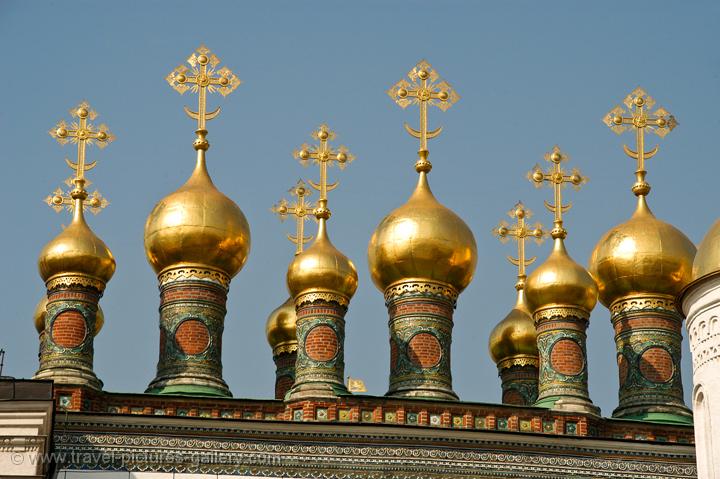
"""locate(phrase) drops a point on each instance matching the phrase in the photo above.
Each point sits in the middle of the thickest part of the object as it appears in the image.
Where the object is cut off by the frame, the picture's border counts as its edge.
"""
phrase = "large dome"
(642, 255)
(422, 240)
(707, 260)
(515, 335)
(76, 250)
(561, 281)
(197, 225)
(280, 328)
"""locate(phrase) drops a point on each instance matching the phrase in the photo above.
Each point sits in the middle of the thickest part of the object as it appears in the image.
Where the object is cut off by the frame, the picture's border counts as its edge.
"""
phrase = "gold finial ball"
(94, 202)
(423, 74)
(502, 231)
(61, 132)
(282, 209)
(181, 78)
(639, 101)
(443, 96)
(323, 135)
(202, 59)
(342, 157)
(537, 233)
(537, 176)
(57, 200)
(662, 122)
(576, 179)
(102, 136)
(304, 154)
(555, 157)
(82, 112)
(224, 81)
(402, 92)
(519, 213)
(617, 119)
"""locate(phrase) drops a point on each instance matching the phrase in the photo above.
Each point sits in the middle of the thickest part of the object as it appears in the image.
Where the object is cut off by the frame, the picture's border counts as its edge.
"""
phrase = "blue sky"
(530, 75)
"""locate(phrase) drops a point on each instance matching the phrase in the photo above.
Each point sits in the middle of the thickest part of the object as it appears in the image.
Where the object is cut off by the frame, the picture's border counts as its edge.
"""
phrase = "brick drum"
(68, 330)
(393, 354)
(282, 386)
(321, 343)
(512, 396)
(566, 357)
(424, 350)
(192, 336)
(623, 368)
(656, 365)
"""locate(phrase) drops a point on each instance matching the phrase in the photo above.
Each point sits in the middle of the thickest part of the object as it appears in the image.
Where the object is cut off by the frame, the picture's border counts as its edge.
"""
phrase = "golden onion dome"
(707, 259)
(515, 335)
(41, 311)
(561, 281)
(642, 255)
(197, 225)
(422, 239)
(280, 327)
(76, 250)
(322, 268)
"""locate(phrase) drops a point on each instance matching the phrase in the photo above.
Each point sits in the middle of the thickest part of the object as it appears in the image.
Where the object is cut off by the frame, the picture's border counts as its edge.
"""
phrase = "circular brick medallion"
(656, 365)
(623, 368)
(69, 329)
(424, 350)
(321, 343)
(566, 357)
(192, 336)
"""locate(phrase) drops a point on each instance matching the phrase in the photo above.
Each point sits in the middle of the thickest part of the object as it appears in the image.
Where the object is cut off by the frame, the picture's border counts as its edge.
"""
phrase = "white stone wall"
(702, 308)
(25, 428)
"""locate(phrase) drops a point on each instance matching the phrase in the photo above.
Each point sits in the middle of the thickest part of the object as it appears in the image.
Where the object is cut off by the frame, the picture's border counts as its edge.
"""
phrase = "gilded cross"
(424, 89)
(301, 209)
(324, 156)
(519, 232)
(639, 105)
(203, 77)
(82, 132)
(557, 178)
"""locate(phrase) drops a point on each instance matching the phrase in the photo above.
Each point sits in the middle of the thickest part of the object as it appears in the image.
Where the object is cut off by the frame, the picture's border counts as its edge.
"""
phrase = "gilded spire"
(204, 77)
(640, 117)
(557, 178)
(424, 89)
(300, 209)
(83, 133)
(520, 232)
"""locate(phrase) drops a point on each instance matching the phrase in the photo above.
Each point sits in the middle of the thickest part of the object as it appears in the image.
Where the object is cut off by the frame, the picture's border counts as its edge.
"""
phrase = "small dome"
(707, 260)
(424, 240)
(515, 335)
(642, 255)
(197, 225)
(280, 327)
(322, 267)
(41, 311)
(76, 250)
(561, 281)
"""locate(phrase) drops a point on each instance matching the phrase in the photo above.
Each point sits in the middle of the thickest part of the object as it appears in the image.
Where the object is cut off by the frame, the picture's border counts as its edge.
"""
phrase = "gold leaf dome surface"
(642, 255)
(561, 281)
(707, 259)
(422, 239)
(76, 250)
(41, 311)
(515, 335)
(197, 225)
(322, 268)
(280, 327)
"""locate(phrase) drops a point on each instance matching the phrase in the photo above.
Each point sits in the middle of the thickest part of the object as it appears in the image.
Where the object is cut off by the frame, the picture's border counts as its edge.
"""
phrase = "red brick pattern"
(419, 307)
(567, 358)
(626, 324)
(282, 386)
(424, 350)
(512, 396)
(192, 336)
(656, 365)
(321, 343)
(623, 368)
(393, 354)
(192, 293)
(69, 329)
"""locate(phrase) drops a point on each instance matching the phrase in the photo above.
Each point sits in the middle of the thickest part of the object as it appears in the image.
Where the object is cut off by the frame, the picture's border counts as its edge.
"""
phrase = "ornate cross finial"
(425, 88)
(300, 209)
(520, 231)
(324, 156)
(660, 122)
(557, 178)
(83, 133)
(204, 77)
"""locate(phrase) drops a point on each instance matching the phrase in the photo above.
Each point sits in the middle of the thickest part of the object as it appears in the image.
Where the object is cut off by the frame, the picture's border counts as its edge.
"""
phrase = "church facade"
(421, 257)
